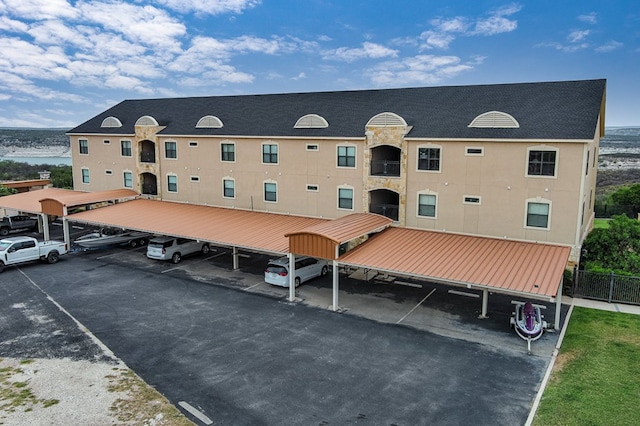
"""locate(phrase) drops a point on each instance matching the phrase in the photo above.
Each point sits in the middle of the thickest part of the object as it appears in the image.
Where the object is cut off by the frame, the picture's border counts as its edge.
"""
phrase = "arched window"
(209, 122)
(495, 120)
(146, 120)
(385, 119)
(311, 121)
(111, 122)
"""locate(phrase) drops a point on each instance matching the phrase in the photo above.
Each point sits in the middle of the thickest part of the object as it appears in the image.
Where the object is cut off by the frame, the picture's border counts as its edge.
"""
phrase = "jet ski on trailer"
(527, 321)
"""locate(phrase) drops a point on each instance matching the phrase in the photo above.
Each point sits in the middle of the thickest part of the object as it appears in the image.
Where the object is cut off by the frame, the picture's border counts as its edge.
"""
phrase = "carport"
(238, 229)
(57, 202)
(523, 269)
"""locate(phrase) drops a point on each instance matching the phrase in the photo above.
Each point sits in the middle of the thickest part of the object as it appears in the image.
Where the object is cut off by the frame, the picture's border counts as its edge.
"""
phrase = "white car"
(172, 248)
(277, 272)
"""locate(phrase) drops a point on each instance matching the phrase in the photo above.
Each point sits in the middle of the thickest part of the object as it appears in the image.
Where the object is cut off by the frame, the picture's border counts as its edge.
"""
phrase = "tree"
(614, 249)
(628, 195)
(6, 191)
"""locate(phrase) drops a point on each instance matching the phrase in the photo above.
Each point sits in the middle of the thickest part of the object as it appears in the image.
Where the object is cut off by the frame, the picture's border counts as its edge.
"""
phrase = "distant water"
(619, 140)
(54, 161)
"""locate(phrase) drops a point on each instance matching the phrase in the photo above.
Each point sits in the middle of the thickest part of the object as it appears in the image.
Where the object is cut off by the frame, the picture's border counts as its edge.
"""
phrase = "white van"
(277, 272)
(172, 248)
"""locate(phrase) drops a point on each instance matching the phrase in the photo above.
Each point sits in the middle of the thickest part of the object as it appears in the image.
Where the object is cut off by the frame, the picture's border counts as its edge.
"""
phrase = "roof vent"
(385, 119)
(495, 120)
(111, 122)
(209, 122)
(311, 121)
(146, 120)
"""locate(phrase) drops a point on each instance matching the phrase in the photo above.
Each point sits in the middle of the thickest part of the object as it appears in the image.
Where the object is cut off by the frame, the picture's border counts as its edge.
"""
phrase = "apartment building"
(515, 161)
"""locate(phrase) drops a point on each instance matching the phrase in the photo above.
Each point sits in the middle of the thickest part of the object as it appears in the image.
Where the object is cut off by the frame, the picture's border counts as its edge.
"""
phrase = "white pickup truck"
(14, 250)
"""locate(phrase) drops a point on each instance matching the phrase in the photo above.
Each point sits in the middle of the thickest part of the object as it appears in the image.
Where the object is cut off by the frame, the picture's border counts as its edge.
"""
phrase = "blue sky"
(62, 61)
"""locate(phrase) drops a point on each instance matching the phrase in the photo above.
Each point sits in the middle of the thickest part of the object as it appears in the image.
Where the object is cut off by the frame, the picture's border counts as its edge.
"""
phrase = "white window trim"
(164, 145)
(167, 180)
(88, 176)
(526, 212)
(426, 192)
(277, 153)
(193, 144)
(310, 146)
(542, 148)
(429, 145)
(472, 154)
(124, 180)
(234, 188)
(355, 164)
(264, 193)
(130, 148)
(472, 203)
(194, 179)
(353, 197)
(235, 153)
(313, 190)
(108, 172)
(80, 146)
(106, 141)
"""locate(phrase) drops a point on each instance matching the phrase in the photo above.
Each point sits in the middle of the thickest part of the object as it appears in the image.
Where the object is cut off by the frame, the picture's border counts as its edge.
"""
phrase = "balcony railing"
(149, 189)
(147, 157)
(385, 168)
(387, 210)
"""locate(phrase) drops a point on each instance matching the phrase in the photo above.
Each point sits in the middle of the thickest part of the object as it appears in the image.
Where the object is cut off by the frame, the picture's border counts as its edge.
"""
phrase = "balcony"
(385, 168)
(387, 210)
(147, 156)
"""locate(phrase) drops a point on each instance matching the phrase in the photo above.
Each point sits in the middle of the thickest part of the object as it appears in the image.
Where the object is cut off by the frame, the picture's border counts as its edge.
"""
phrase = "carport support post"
(292, 279)
(45, 226)
(65, 230)
(335, 274)
(236, 260)
(556, 326)
(485, 303)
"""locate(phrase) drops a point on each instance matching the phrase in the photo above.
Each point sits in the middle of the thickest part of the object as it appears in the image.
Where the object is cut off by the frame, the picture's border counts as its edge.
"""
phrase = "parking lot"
(406, 352)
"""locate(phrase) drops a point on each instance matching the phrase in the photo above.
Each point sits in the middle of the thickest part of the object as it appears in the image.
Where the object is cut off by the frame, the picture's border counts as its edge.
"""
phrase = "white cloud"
(591, 18)
(11, 25)
(578, 35)
(609, 47)
(368, 50)
(209, 7)
(38, 9)
(421, 69)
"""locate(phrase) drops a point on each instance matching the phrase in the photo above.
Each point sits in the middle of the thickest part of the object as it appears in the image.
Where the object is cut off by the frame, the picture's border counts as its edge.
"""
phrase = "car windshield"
(4, 245)
(276, 269)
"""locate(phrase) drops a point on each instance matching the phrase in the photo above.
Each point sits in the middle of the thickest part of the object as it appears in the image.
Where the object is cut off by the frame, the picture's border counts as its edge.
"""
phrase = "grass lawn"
(600, 223)
(596, 378)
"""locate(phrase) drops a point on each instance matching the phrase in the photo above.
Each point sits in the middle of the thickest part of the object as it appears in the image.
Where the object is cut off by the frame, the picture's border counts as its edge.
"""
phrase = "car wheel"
(53, 257)
(297, 280)
(4, 232)
(176, 258)
(324, 271)
(205, 249)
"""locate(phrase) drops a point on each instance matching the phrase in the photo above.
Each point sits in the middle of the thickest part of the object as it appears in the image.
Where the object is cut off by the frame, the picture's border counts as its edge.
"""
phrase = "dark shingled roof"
(548, 110)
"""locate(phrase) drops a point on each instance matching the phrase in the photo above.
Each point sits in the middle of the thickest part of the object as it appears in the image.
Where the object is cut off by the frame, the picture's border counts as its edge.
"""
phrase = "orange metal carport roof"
(508, 266)
(258, 231)
(31, 201)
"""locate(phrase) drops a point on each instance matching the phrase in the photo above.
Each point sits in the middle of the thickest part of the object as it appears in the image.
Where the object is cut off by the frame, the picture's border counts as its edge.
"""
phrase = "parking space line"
(255, 285)
(197, 413)
(412, 309)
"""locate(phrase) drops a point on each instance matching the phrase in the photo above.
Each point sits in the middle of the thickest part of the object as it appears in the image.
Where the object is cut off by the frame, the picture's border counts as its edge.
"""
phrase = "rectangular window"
(345, 198)
(228, 152)
(125, 148)
(427, 205)
(172, 183)
(195, 178)
(270, 192)
(170, 150)
(312, 147)
(229, 188)
(85, 176)
(313, 188)
(429, 159)
(84, 146)
(346, 156)
(470, 199)
(108, 172)
(128, 180)
(106, 141)
(475, 151)
(538, 215)
(193, 144)
(270, 153)
(586, 172)
(542, 163)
